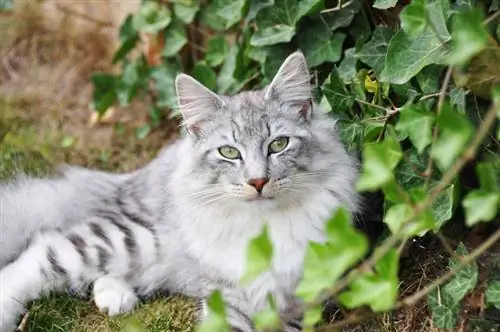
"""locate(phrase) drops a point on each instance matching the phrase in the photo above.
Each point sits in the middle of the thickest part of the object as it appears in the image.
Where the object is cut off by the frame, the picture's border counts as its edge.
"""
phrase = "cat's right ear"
(196, 102)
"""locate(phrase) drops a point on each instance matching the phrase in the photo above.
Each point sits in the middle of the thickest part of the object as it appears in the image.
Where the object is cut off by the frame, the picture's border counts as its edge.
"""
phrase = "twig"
(388, 111)
(337, 8)
(413, 299)
(392, 240)
(431, 95)
(416, 297)
(442, 94)
(492, 17)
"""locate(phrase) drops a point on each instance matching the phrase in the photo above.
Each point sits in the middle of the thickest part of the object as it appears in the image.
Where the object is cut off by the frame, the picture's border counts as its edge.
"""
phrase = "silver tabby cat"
(183, 222)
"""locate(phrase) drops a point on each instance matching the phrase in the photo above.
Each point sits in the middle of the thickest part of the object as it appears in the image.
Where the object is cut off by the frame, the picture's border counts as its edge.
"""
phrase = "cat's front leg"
(291, 313)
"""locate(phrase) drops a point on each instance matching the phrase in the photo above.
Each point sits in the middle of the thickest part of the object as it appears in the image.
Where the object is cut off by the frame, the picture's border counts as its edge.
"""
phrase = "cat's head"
(267, 145)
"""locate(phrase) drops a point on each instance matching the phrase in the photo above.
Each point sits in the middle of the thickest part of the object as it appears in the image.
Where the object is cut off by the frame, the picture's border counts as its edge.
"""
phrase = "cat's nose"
(258, 184)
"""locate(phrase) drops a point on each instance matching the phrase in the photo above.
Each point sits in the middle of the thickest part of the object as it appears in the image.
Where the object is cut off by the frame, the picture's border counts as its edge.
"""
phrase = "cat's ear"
(196, 102)
(292, 84)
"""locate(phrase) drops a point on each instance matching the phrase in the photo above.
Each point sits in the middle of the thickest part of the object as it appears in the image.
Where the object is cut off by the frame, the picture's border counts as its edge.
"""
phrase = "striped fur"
(182, 223)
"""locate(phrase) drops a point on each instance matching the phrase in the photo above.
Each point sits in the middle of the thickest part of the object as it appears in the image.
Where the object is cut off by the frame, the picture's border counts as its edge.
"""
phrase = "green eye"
(229, 152)
(278, 145)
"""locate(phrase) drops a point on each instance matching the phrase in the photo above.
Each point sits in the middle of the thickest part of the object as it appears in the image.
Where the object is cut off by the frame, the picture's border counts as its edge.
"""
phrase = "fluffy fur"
(183, 222)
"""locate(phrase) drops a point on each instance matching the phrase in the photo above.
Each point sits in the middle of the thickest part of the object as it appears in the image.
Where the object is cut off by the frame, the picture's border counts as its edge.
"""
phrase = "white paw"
(114, 296)
(11, 308)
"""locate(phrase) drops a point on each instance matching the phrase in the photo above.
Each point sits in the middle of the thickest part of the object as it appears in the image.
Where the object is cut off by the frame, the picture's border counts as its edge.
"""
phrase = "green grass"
(27, 145)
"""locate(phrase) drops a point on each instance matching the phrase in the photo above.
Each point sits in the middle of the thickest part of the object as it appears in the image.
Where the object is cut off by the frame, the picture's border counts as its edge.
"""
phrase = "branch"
(392, 240)
(442, 94)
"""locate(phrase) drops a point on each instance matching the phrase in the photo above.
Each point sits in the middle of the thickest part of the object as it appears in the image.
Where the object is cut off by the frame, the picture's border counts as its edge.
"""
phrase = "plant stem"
(392, 240)
(440, 103)
(413, 299)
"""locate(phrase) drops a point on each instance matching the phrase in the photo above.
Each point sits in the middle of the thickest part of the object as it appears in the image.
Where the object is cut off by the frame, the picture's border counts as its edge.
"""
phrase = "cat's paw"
(114, 296)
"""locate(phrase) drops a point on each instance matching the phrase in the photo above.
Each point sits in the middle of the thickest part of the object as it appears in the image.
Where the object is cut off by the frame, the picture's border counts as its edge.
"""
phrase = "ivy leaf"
(414, 18)
(457, 98)
(384, 4)
(152, 17)
(217, 50)
(284, 12)
(320, 45)
(378, 290)
(374, 52)
(337, 94)
(273, 35)
(454, 132)
(186, 13)
(347, 67)
(407, 56)
(175, 39)
(128, 38)
(259, 256)
(464, 281)
(325, 263)
(379, 160)
(134, 75)
(428, 79)
(164, 77)
(104, 93)
(230, 10)
(399, 213)
(442, 206)
(493, 293)
(444, 309)
(469, 36)
(351, 131)
(480, 205)
(312, 316)
(487, 173)
(416, 122)
(255, 7)
(216, 319)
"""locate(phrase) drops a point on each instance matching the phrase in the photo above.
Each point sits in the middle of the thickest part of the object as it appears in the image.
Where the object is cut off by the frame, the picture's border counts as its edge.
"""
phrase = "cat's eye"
(278, 144)
(229, 152)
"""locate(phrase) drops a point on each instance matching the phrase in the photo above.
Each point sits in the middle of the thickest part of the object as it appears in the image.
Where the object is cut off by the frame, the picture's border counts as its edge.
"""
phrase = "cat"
(183, 222)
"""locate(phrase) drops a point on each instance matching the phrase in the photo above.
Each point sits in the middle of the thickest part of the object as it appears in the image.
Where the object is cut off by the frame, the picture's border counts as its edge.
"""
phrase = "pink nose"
(258, 184)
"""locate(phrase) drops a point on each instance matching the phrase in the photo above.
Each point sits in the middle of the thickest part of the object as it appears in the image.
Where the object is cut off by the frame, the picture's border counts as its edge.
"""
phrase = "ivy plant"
(414, 87)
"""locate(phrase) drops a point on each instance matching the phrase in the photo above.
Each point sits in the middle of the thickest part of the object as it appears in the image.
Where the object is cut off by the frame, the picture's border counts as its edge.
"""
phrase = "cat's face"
(257, 146)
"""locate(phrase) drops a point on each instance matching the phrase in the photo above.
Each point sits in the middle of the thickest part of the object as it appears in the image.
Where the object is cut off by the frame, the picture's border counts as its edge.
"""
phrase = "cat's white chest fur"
(219, 238)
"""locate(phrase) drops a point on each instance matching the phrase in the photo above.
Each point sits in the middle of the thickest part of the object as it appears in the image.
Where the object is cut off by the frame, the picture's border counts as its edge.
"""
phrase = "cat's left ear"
(291, 85)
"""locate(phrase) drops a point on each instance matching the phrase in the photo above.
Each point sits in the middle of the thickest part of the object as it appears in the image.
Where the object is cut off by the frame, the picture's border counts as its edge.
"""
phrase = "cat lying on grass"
(183, 222)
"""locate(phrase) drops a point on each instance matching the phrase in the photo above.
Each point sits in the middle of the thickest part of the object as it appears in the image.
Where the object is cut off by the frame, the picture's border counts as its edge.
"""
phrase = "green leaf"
(429, 79)
(186, 13)
(128, 38)
(399, 213)
(480, 206)
(493, 293)
(488, 175)
(226, 78)
(351, 132)
(266, 319)
(164, 77)
(325, 263)
(6, 5)
(104, 94)
(454, 132)
(273, 35)
(223, 14)
(320, 45)
(444, 309)
(205, 75)
(337, 94)
(442, 206)
(407, 56)
(374, 52)
(416, 122)
(216, 51)
(283, 12)
(133, 77)
(378, 290)
(414, 18)
(143, 131)
(175, 39)
(216, 319)
(255, 7)
(152, 17)
(457, 98)
(259, 256)
(379, 160)
(469, 36)
(464, 281)
(384, 4)
(347, 67)
(312, 316)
